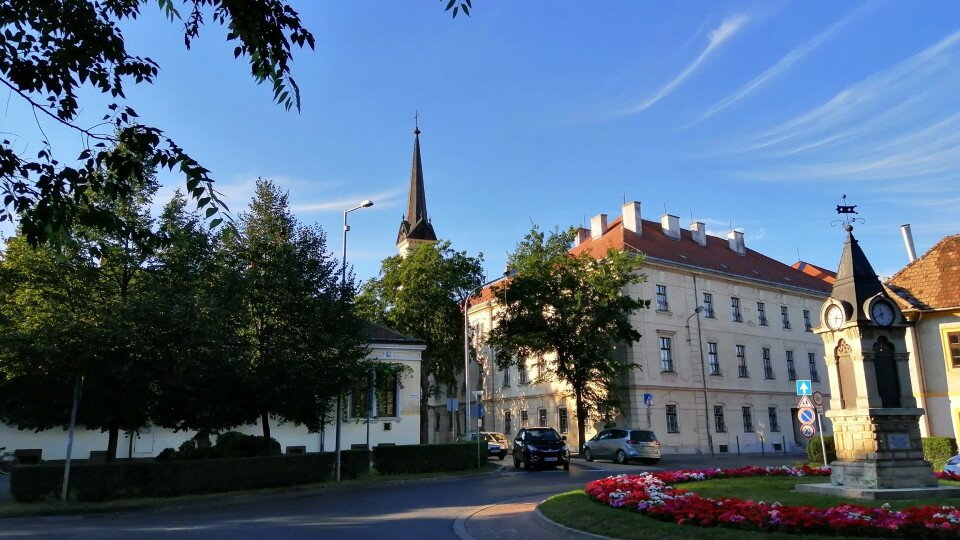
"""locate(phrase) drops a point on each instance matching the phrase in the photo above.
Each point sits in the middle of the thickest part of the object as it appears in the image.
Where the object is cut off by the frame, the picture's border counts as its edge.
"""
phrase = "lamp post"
(703, 371)
(343, 283)
(479, 394)
(466, 349)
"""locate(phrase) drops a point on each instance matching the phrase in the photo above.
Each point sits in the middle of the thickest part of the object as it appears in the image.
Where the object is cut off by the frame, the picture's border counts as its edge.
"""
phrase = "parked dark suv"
(540, 447)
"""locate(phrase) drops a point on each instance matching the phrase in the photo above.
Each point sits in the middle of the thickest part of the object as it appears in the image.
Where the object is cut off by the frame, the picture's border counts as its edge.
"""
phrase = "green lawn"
(780, 489)
(576, 510)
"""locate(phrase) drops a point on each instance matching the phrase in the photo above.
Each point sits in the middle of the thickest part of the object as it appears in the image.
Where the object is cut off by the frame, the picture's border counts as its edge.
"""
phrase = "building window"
(450, 421)
(524, 418)
(761, 314)
(708, 306)
(785, 317)
(522, 376)
(506, 376)
(747, 420)
(807, 325)
(713, 357)
(385, 393)
(541, 368)
(436, 421)
(543, 416)
(953, 341)
(812, 361)
(791, 368)
(774, 422)
(666, 354)
(719, 424)
(662, 304)
(673, 426)
(735, 309)
(562, 419)
(507, 422)
(767, 364)
(742, 361)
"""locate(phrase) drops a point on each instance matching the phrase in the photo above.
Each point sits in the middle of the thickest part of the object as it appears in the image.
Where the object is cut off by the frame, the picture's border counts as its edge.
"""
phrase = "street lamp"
(479, 394)
(343, 283)
(466, 348)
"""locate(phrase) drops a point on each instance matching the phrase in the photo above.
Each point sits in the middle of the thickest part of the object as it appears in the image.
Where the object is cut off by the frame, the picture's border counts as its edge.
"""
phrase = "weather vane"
(847, 210)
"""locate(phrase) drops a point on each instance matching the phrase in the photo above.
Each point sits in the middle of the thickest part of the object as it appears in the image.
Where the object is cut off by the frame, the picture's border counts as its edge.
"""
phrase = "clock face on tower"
(882, 313)
(834, 316)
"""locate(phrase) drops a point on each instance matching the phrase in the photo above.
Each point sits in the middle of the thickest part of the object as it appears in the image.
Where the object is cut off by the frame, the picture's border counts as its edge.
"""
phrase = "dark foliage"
(424, 458)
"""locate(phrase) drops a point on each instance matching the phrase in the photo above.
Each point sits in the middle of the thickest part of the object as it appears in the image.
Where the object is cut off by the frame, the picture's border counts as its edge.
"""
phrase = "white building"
(398, 424)
(724, 341)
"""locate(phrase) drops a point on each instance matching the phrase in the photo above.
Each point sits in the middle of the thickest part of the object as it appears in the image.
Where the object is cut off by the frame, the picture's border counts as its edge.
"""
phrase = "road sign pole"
(823, 444)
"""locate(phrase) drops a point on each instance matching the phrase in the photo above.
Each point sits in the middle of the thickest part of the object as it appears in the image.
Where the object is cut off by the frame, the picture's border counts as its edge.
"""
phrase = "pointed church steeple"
(415, 225)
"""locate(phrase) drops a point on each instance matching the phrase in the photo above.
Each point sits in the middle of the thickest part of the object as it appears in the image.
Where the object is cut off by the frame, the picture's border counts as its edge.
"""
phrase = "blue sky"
(757, 115)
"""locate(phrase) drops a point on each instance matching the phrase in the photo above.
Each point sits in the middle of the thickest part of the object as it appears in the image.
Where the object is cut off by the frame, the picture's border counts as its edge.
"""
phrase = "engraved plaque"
(898, 441)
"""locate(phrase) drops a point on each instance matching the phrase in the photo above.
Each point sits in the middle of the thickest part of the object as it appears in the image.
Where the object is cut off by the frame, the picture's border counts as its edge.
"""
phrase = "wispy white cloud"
(867, 94)
(784, 63)
(718, 37)
(382, 199)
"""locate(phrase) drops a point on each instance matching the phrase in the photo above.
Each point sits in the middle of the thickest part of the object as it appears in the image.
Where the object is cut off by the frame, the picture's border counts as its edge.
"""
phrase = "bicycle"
(7, 460)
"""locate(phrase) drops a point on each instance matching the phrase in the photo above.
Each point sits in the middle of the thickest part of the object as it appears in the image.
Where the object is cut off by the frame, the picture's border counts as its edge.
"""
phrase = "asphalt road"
(400, 512)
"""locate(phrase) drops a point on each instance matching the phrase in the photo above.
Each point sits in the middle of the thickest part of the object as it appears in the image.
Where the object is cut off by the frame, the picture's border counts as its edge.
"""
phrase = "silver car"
(622, 445)
(952, 465)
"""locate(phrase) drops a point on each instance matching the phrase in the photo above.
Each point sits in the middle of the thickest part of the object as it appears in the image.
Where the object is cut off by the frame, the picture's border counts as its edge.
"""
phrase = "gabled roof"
(931, 282)
(716, 256)
(381, 334)
(815, 271)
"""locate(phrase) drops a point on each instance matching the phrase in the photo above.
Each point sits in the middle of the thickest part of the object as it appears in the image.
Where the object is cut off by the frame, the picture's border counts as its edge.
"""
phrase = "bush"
(815, 452)
(937, 450)
(97, 482)
(424, 458)
(232, 444)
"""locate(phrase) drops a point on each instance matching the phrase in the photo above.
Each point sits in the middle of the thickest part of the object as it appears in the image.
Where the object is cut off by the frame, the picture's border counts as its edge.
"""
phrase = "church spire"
(415, 226)
(856, 279)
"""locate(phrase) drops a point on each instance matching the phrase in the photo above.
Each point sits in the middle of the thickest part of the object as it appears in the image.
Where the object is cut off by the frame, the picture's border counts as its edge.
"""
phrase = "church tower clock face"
(834, 316)
(882, 313)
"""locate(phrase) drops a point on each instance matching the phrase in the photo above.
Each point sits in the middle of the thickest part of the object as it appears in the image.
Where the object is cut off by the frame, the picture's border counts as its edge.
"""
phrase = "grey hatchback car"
(622, 445)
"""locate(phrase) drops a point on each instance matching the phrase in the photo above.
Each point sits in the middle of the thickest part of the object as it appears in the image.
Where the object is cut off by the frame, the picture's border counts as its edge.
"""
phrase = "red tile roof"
(931, 282)
(815, 271)
(716, 256)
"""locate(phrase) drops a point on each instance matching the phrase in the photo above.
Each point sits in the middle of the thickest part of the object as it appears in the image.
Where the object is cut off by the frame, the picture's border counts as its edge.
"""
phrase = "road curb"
(563, 529)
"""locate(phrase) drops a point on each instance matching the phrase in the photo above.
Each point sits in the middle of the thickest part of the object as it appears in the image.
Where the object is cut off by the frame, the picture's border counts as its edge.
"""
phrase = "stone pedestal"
(879, 456)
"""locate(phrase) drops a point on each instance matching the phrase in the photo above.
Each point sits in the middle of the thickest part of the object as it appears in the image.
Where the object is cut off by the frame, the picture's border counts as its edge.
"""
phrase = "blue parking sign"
(804, 388)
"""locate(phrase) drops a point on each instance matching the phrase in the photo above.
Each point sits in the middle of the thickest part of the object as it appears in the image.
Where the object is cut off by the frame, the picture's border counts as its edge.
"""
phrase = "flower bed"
(653, 496)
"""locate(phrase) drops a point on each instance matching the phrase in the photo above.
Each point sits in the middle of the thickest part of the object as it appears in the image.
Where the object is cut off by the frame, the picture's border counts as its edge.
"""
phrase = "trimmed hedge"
(937, 450)
(101, 481)
(424, 458)
(815, 452)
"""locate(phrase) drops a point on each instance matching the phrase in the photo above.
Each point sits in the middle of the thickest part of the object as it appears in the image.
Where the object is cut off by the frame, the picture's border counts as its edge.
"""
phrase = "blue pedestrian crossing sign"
(804, 388)
(648, 400)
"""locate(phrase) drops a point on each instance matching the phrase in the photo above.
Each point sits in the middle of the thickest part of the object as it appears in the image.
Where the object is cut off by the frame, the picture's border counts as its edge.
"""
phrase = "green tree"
(90, 319)
(196, 313)
(421, 295)
(54, 48)
(306, 343)
(571, 309)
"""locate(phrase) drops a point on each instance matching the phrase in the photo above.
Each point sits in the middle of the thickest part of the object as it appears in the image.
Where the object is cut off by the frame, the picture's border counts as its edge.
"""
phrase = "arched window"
(885, 366)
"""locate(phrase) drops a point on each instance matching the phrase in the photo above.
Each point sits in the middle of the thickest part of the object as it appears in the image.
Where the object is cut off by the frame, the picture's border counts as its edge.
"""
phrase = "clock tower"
(875, 416)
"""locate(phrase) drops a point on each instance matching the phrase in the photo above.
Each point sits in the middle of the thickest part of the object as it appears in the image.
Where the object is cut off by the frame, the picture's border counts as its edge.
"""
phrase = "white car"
(953, 465)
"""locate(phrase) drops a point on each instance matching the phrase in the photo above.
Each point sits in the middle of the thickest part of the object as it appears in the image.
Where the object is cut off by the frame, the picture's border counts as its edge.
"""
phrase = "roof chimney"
(598, 225)
(581, 237)
(908, 241)
(698, 230)
(670, 225)
(631, 217)
(735, 238)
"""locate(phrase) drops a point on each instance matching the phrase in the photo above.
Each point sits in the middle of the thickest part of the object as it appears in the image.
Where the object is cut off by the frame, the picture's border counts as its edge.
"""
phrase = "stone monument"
(875, 416)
